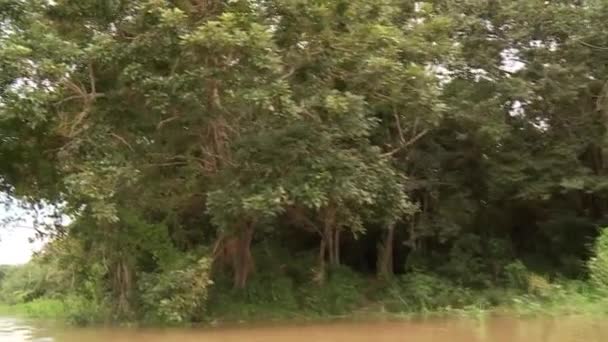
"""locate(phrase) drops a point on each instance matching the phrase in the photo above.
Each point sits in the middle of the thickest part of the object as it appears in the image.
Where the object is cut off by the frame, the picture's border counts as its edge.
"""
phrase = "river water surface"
(487, 330)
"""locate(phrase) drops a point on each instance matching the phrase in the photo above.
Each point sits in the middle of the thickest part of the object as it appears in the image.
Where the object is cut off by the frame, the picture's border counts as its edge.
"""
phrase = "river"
(486, 330)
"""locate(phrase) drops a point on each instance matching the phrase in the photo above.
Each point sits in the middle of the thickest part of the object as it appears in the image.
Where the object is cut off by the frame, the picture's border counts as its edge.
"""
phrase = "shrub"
(520, 278)
(82, 311)
(24, 283)
(74, 309)
(516, 275)
(598, 264)
(271, 290)
(465, 263)
(176, 295)
(416, 292)
(267, 296)
(340, 294)
(44, 308)
(539, 285)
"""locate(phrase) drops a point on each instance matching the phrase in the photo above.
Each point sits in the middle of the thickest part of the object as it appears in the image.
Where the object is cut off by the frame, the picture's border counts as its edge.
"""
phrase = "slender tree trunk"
(320, 276)
(385, 254)
(244, 260)
(337, 248)
(329, 245)
(235, 252)
(330, 234)
(122, 282)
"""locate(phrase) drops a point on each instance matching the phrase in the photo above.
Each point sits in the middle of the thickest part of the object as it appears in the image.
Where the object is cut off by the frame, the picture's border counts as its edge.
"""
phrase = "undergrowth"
(286, 291)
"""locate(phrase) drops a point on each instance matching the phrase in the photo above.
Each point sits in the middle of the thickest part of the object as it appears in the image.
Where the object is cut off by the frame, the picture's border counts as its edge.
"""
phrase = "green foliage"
(466, 261)
(176, 295)
(420, 292)
(563, 298)
(343, 292)
(80, 310)
(271, 294)
(22, 284)
(517, 275)
(72, 309)
(456, 136)
(598, 264)
(44, 309)
(268, 296)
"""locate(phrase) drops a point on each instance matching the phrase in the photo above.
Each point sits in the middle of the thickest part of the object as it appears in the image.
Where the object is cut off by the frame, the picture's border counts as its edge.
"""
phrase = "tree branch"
(165, 121)
(121, 139)
(408, 143)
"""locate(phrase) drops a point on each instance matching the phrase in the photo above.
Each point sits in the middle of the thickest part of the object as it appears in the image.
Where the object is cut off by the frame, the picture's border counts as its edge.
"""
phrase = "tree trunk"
(122, 282)
(332, 237)
(243, 265)
(329, 245)
(337, 248)
(385, 254)
(320, 276)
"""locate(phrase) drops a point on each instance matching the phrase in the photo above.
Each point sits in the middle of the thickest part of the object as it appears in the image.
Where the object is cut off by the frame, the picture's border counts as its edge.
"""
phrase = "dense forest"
(261, 158)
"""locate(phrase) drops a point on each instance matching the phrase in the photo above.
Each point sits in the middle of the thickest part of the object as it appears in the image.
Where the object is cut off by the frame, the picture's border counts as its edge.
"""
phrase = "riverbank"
(190, 295)
(572, 298)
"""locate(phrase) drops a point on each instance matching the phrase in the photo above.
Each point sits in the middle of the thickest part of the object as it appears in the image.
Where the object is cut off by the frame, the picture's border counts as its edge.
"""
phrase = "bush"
(419, 292)
(516, 275)
(270, 292)
(176, 295)
(598, 264)
(44, 308)
(342, 293)
(276, 295)
(73, 309)
(82, 311)
(539, 285)
(24, 283)
(267, 296)
(466, 264)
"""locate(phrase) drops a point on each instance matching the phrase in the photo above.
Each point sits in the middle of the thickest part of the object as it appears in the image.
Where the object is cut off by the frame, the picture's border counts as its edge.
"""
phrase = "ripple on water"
(15, 330)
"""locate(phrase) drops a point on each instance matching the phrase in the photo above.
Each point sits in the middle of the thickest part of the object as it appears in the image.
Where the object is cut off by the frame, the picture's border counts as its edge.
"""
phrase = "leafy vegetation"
(241, 159)
(598, 264)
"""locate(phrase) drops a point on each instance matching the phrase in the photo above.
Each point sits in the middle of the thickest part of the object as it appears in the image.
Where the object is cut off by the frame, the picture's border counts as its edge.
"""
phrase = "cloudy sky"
(15, 247)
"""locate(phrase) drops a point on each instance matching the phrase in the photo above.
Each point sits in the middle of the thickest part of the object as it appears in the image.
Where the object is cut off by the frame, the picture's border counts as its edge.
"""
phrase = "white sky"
(15, 245)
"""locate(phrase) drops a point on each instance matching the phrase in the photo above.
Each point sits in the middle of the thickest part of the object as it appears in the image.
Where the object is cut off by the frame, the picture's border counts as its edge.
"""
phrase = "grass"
(72, 309)
(427, 298)
(565, 299)
(43, 308)
(345, 298)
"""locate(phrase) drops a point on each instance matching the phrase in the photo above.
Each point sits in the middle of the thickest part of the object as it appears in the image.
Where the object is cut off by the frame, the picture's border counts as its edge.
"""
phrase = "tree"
(454, 136)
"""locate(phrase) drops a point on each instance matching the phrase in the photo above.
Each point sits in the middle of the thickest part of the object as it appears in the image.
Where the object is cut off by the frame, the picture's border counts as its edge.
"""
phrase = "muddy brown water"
(486, 330)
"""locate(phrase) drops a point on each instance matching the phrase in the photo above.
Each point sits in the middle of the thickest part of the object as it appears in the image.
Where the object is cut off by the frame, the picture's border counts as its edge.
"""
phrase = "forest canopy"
(216, 143)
